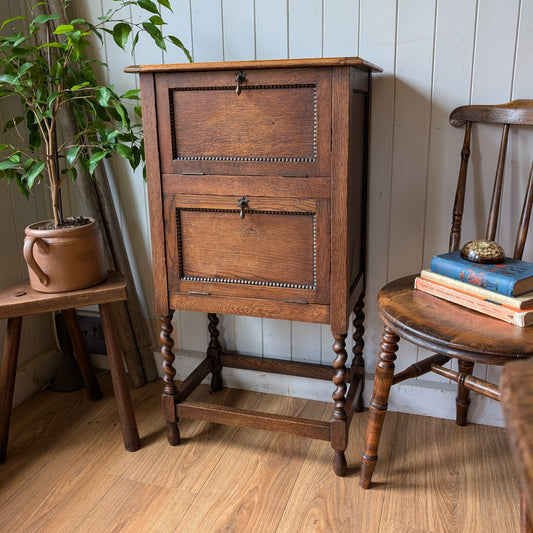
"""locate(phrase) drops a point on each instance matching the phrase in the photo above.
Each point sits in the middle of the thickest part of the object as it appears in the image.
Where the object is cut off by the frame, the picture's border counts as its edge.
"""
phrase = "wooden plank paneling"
(206, 16)
(271, 35)
(412, 115)
(341, 28)
(414, 67)
(377, 43)
(486, 87)
(305, 28)
(435, 55)
(16, 212)
(454, 42)
(239, 39)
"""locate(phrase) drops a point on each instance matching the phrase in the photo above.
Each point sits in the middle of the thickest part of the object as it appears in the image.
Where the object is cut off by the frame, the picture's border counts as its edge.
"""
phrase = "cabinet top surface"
(271, 63)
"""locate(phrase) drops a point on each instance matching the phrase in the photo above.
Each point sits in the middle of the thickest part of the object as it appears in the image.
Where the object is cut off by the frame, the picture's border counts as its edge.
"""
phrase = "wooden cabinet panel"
(257, 184)
(279, 123)
(275, 248)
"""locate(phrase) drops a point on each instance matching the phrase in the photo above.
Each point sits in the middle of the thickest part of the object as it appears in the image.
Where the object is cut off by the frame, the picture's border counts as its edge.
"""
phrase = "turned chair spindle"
(444, 328)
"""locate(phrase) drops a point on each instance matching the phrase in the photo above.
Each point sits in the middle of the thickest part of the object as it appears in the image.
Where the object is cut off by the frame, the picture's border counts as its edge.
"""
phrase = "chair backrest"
(517, 112)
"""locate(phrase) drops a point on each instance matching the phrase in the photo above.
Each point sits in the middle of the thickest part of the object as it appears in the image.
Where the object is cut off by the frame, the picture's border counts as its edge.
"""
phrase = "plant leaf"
(148, 5)
(34, 139)
(179, 44)
(79, 86)
(121, 33)
(11, 123)
(94, 160)
(132, 94)
(124, 151)
(41, 19)
(72, 155)
(6, 22)
(35, 172)
(121, 111)
(157, 20)
(63, 28)
(103, 95)
(155, 33)
(8, 164)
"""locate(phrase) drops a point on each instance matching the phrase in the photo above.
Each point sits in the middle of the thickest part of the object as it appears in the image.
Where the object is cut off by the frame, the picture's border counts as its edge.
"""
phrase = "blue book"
(513, 277)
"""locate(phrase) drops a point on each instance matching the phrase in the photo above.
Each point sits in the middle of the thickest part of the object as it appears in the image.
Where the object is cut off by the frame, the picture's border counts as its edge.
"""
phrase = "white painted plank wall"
(37, 348)
(436, 55)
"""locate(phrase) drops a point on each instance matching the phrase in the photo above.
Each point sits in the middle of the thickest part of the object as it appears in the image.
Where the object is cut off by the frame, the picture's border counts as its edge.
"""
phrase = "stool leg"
(8, 371)
(130, 434)
(82, 357)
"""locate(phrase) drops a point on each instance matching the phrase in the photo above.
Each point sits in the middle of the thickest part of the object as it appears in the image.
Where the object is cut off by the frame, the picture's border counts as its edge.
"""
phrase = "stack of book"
(503, 291)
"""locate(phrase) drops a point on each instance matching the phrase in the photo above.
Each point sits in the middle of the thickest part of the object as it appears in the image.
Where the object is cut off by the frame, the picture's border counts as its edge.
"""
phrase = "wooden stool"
(21, 300)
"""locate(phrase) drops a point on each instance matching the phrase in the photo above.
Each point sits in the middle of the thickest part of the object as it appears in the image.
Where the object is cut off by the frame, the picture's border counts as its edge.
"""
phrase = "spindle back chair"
(447, 329)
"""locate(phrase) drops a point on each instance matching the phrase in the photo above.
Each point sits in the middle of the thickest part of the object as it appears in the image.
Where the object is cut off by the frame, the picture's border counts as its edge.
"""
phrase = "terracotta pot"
(64, 259)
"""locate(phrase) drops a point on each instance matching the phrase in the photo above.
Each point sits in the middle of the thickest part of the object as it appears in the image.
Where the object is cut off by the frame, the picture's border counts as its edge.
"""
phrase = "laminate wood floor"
(67, 471)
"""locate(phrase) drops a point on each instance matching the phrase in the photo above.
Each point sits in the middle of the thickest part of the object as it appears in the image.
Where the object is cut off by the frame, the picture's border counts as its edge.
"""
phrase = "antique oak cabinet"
(256, 177)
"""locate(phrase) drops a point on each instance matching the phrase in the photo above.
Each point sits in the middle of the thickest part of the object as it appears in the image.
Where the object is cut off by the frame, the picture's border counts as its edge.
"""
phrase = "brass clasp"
(240, 78)
(243, 204)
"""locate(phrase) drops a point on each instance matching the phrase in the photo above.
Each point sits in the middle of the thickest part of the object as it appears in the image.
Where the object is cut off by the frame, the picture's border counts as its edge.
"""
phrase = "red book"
(518, 317)
(517, 302)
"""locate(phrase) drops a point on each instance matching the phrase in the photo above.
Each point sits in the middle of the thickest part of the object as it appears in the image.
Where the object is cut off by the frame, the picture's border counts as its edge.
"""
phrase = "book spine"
(518, 318)
(476, 290)
(482, 278)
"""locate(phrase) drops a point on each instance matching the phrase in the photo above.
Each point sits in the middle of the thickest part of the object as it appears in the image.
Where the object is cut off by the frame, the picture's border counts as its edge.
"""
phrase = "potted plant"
(48, 63)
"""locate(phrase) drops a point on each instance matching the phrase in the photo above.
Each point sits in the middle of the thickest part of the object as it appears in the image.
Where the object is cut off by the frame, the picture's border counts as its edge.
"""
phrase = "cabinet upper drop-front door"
(245, 122)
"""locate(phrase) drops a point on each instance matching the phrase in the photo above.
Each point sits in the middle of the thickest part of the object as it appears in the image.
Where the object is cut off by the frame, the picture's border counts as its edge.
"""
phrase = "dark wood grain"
(279, 125)
(155, 194)
(515, 112)
(457, 332)
(270, 63)
(257, 207)
(314, 429)
(516, 386)
(450, 330)
(21, 300)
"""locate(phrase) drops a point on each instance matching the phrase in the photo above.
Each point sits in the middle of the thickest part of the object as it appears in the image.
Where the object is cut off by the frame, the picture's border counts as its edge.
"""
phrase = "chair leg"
(8, 372)
(526, 524)
(82, 357)
(126, 414)
(463, 394)
(378, 404)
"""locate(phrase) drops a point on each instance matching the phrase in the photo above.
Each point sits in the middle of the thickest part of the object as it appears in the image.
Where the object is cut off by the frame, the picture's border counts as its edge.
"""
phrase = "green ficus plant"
(58, 71)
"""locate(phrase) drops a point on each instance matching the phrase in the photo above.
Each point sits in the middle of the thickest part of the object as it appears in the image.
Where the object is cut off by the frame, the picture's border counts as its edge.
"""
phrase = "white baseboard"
(419, 397)
(33, 374)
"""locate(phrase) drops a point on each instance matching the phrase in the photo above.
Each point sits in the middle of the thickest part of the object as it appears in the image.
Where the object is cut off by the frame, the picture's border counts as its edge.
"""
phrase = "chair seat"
(450, 329)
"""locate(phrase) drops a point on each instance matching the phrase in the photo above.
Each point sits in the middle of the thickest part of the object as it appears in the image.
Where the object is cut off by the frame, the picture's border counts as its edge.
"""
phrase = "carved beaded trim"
(176, 157)
(243, 281)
